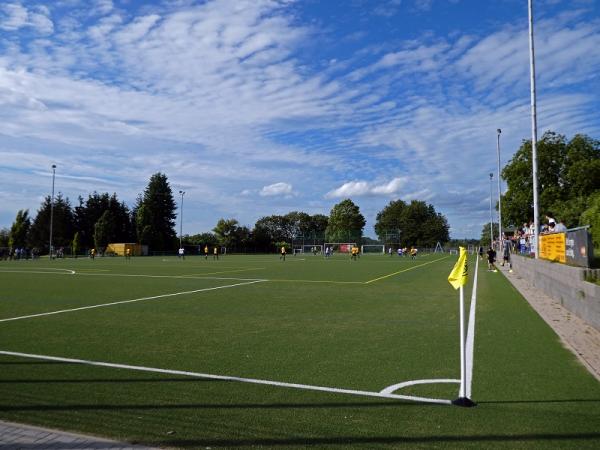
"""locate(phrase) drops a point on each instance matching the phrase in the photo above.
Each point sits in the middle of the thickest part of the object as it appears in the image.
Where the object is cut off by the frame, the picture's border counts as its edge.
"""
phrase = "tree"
(104, 230)
(4, 236)
(226, 232)
(568, 174)
(201, 239)
(346, 223)
(19, 230)
(155, 216)
(485, 234)
(87, 215)
(63, 224)
(75, 245)
(388, 222)
(416, 224)
(591, 216)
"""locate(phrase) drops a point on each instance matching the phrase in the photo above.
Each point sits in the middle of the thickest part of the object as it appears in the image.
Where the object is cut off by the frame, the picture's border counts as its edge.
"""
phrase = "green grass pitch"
(357, 325)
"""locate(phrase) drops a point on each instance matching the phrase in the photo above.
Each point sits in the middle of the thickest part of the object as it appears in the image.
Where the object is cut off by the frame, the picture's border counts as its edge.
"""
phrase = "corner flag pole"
(458, 278)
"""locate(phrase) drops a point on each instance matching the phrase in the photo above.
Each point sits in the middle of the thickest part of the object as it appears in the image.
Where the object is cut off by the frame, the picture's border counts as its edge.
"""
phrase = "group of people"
(19, 253)
(524, 237)
(404, 251)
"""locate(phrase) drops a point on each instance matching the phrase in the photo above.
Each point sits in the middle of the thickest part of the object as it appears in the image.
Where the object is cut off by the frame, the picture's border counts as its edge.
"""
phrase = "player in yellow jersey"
(283, 252)
(206, 252)
(354, 252)
(216, 253)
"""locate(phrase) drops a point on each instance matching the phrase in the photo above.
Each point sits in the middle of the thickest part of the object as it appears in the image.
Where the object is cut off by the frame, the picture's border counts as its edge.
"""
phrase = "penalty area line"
(122, 302)
(307, 387)
(405, 270)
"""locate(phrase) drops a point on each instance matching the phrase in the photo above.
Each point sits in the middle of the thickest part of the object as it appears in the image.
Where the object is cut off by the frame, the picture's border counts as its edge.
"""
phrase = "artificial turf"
(361, 325)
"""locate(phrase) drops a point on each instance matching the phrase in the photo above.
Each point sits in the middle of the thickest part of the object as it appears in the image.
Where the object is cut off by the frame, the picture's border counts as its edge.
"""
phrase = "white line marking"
(230, 378)
(181, 277)
(395, 387)
(154, 297)
(63, 271)
(470, 344)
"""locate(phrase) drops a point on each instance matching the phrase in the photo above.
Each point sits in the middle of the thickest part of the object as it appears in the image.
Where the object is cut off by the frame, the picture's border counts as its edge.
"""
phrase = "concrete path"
(15, 436)
(576, 334)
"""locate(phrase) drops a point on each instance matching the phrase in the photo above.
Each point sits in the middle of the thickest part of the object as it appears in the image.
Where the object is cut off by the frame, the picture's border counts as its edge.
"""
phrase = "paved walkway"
(576, 334)
(15, 436)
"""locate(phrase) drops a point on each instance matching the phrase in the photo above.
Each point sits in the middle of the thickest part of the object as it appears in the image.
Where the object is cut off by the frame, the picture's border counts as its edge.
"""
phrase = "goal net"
(341, 247)
(314, 249)
(372, 248)
(298, 251)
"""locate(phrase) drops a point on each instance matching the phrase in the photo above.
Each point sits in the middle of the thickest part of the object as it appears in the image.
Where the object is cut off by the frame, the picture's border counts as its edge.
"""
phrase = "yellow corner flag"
(458, 276)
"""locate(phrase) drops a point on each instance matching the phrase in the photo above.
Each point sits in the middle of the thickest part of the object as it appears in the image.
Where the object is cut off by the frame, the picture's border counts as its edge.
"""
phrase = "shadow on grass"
(365, 441)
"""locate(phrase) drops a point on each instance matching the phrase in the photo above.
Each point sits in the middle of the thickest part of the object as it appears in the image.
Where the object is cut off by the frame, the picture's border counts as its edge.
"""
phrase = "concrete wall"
(564, 284)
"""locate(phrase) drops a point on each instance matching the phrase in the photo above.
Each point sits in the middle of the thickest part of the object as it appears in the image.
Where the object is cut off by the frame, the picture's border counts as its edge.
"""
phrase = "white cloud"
(276, 189)
(14, 16)
(361, 188)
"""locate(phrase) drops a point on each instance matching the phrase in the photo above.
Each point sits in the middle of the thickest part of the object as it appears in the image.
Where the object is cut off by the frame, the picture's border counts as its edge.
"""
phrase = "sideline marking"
(64, 271)
(183, 277)
(395, 387)
(405, 270)
(470, 340)
(154, 297)
(232, 378)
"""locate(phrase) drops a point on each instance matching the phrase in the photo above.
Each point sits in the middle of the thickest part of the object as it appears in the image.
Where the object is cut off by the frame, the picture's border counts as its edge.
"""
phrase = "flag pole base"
(464, 402)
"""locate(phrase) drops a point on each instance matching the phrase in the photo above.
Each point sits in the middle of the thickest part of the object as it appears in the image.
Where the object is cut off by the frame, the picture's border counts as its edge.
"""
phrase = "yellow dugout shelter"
(121, 248)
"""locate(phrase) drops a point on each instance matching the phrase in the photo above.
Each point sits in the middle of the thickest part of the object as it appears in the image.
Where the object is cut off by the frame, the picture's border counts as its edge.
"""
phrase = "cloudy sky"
(260, 107)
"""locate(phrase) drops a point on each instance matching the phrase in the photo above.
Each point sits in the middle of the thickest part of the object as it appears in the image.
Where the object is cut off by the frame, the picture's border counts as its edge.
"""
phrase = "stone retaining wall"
(564, 284)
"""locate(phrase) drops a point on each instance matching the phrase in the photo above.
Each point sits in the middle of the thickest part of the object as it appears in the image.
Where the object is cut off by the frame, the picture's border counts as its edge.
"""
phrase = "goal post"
(372, 248)
(314, 249)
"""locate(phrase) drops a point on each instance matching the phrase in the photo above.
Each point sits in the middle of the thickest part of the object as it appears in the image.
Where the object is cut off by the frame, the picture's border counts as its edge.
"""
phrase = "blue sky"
(260, 107)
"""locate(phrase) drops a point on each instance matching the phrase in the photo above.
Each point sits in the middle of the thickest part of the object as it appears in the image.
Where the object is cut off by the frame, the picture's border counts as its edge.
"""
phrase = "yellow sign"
(552, 247)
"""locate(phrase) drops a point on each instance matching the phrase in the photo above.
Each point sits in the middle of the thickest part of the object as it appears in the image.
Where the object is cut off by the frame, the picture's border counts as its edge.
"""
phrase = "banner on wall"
(553, 247)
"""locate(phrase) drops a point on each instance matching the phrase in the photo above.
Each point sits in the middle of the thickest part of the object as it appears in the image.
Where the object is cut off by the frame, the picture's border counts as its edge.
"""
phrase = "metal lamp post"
(500, 235)
(491, 217)
(536, 222)
(181, 220)
(52, 208)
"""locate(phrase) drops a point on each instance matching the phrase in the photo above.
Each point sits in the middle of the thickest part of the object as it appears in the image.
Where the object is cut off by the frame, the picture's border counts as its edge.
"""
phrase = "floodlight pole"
(500, 234)
(52, 209)
(491, 216)
(181, 220)
(536, 223)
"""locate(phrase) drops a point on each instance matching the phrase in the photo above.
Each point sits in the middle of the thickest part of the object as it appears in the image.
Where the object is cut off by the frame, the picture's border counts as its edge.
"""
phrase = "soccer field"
(253, 351)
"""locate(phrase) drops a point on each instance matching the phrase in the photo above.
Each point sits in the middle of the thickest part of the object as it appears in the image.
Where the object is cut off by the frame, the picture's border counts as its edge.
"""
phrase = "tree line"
(102, 218)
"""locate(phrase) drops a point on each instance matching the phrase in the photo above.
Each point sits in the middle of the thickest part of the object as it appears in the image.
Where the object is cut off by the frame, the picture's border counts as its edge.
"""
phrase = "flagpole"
(462, 392)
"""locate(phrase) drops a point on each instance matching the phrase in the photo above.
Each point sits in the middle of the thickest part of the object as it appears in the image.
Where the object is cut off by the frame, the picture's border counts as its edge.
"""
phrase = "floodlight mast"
(536, 223)
(491, 217)
(500, 234)
(181, 220)
(52, 210)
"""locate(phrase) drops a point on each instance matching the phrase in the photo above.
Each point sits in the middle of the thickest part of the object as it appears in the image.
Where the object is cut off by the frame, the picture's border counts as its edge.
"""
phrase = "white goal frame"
(382, 246)
(307, 248)
(331, 244)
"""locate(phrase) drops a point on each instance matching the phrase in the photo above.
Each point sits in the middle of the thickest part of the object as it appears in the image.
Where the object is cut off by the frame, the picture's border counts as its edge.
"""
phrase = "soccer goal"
(341, 247)
(372, 248)
(314, 249)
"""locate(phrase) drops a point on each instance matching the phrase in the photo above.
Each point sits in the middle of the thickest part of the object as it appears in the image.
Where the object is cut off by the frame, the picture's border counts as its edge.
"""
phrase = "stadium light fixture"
(491, 216)
(536, 220)
(52, 210)
(181, 220)
(500, 235)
